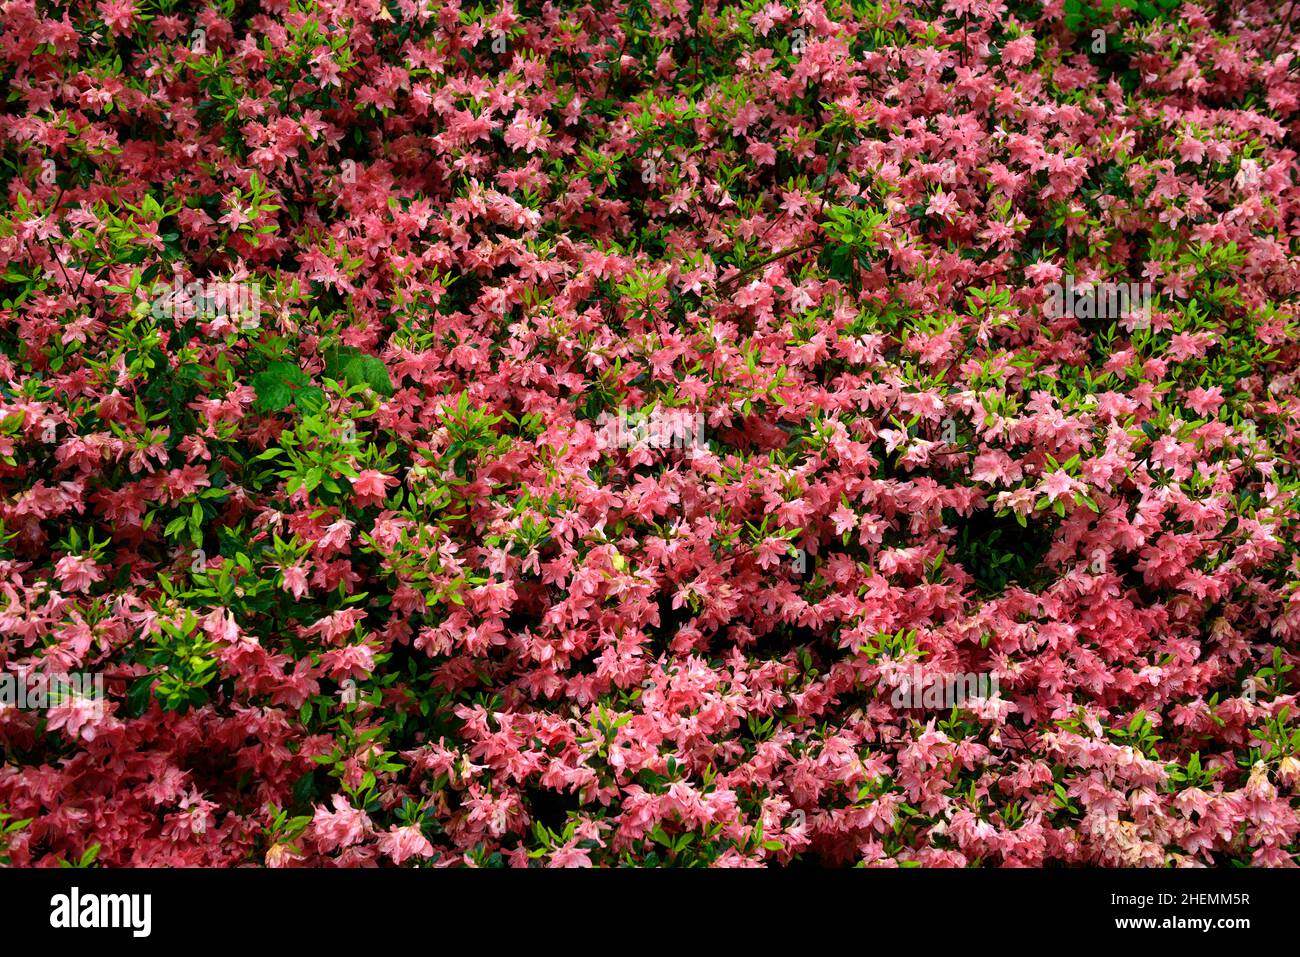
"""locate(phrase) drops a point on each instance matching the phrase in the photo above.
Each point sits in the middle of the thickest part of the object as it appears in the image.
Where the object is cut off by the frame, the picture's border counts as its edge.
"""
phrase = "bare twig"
(726, 284)
(1286, 22)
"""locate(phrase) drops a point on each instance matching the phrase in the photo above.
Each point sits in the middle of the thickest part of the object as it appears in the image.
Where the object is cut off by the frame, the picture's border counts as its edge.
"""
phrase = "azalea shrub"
(650, 432)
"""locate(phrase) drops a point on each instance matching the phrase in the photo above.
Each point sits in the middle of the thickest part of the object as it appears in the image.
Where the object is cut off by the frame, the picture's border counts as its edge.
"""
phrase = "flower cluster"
(366, 580)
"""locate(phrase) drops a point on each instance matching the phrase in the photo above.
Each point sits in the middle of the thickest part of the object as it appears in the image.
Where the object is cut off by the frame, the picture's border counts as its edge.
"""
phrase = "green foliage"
(8, 828)
(283, 383)
(183, 663)
(1001, 550)
(1080, 14)
(350, 365)
(1190, 775)
(86, 860)
(852, 232)
(1279, 737)
(1139, 733)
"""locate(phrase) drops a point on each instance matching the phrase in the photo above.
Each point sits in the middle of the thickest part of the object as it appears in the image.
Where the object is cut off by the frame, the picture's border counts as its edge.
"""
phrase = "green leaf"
(276, 386)
(310, 399)
(351, 365)
(367, 370)
(137, 699)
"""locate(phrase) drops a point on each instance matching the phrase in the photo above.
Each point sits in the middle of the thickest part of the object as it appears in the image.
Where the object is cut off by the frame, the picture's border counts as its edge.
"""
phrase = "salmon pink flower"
(77, 573)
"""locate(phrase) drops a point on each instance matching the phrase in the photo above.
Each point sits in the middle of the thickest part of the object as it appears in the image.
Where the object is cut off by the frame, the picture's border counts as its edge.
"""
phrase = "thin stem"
(1282, 29)
(765, 261)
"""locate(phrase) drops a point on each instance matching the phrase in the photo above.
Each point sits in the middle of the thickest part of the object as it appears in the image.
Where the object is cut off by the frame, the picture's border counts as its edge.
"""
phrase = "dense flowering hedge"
(364, 576)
